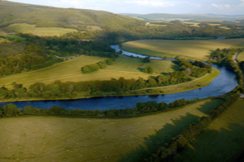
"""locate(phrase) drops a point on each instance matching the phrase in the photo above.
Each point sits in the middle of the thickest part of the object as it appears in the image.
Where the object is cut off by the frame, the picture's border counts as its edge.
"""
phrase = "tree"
(10, 110)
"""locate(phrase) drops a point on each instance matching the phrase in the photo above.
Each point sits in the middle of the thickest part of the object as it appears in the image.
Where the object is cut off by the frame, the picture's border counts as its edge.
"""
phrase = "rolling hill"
(186, 17)
(82, 20)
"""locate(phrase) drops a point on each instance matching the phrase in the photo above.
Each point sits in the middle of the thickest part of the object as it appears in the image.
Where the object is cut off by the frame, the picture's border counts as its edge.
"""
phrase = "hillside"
(192, 17)
(82, 20)
(50, 21)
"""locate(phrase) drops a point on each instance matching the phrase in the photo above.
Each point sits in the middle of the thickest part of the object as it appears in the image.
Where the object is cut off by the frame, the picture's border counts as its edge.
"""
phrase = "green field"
(74, 139)
(222, 140)
(241, 57)
(195, 49)
(70, 71)
(39, 31)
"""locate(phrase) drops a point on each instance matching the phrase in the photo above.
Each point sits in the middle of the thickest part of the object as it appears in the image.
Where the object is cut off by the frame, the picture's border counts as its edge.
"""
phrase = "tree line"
(224, 57)
(95, 67)
(35, 52)
(155, 150)
(11, 110)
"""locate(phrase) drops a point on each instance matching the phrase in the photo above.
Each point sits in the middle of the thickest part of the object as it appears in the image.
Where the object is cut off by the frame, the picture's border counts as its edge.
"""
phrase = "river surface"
(221, 85)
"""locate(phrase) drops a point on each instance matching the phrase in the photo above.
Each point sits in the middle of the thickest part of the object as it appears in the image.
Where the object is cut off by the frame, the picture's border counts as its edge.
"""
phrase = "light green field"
(41, 139)
(222, 140)
(241, 57)
(3, 40)
(195, 49)
(193, 24)
(70, 71)
(39, 31)
(194, 84)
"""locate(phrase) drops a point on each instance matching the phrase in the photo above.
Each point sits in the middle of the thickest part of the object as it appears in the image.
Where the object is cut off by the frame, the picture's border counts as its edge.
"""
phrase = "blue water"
(221, 85)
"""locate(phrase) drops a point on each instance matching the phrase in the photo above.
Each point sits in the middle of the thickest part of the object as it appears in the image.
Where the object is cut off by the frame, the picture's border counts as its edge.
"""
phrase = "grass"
(76, 139)
(195, 49)
(2, 40)
(222, 140)
(39, 31)
(241, 56)
(70, 71)
(194, 84)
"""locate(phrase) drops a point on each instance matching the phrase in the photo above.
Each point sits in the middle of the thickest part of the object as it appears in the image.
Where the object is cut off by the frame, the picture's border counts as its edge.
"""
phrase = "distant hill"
(80, 19)
(89, 24)
(186, 17)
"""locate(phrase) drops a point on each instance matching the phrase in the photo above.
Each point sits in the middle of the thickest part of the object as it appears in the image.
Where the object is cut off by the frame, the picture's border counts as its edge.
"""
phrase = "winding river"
(224, 83)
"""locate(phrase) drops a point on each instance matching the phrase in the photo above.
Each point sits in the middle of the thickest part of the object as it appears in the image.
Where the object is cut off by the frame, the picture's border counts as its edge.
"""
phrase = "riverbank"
(182, 87)
(171, 89)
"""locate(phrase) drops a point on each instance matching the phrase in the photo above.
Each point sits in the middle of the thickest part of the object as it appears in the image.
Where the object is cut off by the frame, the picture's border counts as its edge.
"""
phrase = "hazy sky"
(150, 6)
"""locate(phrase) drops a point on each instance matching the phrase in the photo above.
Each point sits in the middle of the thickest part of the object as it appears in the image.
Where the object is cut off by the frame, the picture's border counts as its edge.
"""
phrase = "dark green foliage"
(11, 110)
(95, 67)
(146, 69)
(34, 52)
(226, 57)
(146, 60)
(193, 68)
(160, 148)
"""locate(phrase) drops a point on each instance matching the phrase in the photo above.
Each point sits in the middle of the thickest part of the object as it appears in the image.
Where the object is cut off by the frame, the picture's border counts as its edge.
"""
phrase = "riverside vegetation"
(186, 71)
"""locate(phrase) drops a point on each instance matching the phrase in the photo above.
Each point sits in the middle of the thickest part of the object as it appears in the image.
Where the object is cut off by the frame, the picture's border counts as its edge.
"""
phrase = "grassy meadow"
(241, 56)
(222, 140)
(70, 71)
(74, 139)
(39, 31)
(194, 49)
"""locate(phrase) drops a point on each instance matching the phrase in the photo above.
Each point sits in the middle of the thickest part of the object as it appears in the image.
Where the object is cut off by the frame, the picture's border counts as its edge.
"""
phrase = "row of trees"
(95, 67)
(11, 110)
(155, 150)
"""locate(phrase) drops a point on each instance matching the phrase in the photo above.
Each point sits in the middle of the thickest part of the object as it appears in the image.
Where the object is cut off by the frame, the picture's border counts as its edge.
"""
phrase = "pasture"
(241, 57)
(193, 49)
(39, 31)
(70, 71)
(75, 139)
(222, 140)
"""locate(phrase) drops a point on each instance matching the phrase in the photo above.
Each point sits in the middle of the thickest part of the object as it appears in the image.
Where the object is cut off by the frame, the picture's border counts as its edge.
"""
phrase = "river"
(222, 84)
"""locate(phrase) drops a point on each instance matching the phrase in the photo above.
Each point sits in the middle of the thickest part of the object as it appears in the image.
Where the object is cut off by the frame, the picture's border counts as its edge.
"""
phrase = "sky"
(226, 7)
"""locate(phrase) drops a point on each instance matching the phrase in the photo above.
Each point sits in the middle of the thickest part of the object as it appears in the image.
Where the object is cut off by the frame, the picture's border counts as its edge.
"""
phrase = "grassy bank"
(197, 83)
(194, 49)
(74, 139)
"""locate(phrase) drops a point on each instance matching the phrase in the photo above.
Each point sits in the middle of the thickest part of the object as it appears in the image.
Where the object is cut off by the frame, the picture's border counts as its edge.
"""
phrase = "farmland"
(193, 49)
(39, 31)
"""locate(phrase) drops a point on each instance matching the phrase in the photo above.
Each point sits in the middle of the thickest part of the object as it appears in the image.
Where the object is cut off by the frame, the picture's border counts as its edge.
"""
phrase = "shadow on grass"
(206, 108)
(162, 136)
(225, 145)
